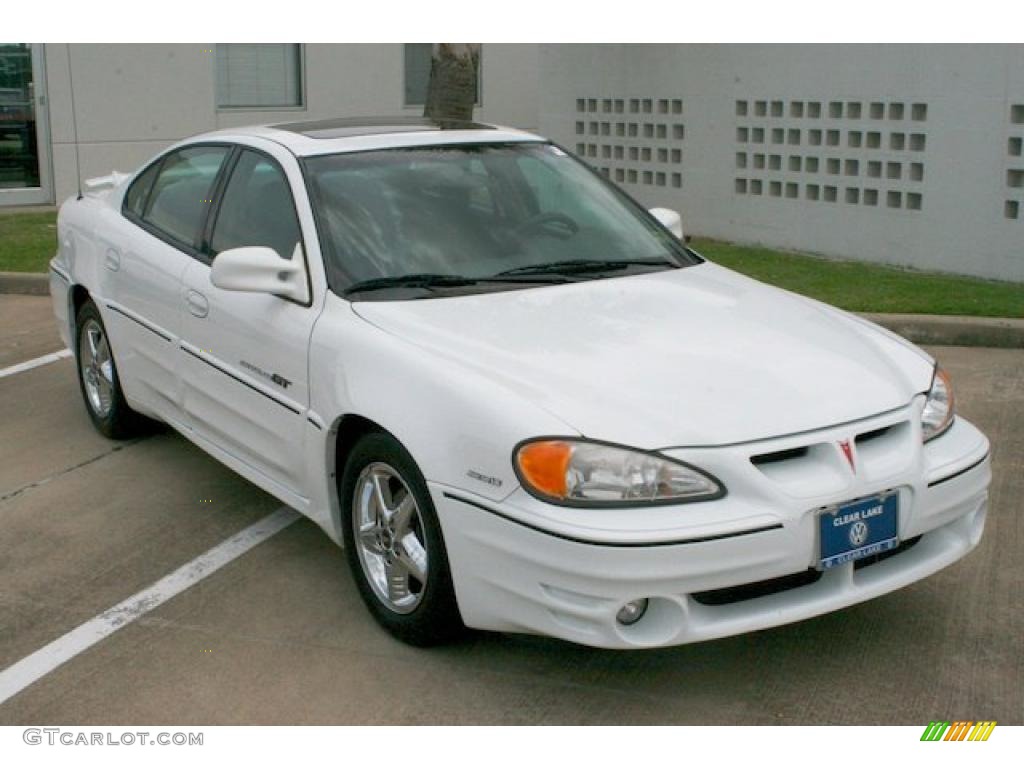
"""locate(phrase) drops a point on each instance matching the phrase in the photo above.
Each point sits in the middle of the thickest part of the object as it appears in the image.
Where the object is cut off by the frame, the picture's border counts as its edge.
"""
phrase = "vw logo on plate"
(858, 533)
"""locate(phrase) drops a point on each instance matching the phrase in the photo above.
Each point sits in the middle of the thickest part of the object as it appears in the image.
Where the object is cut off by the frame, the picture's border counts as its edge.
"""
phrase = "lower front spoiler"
(512, 578)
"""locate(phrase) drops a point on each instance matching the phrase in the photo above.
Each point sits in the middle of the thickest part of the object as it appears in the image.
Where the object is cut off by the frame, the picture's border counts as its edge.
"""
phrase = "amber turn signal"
(544, 465)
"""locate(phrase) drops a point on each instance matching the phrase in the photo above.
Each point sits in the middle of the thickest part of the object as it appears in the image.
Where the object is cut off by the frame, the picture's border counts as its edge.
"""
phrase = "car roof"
(358, 134)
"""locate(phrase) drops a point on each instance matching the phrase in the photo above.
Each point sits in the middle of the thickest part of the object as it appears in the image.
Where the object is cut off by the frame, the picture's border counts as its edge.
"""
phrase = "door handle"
(197, 303)
(112, 260)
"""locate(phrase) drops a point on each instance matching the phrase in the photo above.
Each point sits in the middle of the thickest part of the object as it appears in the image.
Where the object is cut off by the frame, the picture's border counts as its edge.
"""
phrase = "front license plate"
(858, 529)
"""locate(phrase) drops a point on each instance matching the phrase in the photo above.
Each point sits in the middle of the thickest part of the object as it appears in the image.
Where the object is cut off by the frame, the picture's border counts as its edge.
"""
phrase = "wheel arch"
(346, 430)
(435, 616)
(77, 297)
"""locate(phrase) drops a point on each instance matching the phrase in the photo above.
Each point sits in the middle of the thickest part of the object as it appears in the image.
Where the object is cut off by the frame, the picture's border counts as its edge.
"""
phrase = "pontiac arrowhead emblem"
(847, 450)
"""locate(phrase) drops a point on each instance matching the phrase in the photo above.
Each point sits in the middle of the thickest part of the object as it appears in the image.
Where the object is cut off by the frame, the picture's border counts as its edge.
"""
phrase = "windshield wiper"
(432, 280)
(418, 280)
(584, 266)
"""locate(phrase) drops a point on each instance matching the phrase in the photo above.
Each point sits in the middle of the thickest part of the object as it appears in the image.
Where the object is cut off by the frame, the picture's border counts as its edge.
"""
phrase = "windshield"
(428, 221)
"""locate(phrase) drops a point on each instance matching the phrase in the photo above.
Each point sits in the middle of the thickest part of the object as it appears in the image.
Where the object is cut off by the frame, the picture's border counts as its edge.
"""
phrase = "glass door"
(24, 158)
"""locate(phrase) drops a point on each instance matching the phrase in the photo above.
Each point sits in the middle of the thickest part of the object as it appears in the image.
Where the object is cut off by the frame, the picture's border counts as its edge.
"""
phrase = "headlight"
(588, 474)
(938, 408)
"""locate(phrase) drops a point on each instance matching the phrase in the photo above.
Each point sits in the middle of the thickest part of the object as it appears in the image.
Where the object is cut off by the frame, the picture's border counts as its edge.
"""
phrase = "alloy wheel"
(97, 368)
(389, 537)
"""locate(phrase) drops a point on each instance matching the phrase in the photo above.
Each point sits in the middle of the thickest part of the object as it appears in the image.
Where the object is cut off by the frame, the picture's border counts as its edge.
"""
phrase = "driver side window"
(257, 208)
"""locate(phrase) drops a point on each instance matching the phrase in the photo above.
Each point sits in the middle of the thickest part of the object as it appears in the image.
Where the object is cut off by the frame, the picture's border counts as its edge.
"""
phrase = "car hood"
(686, 357)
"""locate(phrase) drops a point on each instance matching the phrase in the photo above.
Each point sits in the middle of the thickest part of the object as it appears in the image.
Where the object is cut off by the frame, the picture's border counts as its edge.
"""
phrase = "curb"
(940, 330)
(954, 330)
(26, 283)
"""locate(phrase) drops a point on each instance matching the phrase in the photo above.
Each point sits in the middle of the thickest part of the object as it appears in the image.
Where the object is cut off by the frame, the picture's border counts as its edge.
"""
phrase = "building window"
(259, 76)
(417, 74)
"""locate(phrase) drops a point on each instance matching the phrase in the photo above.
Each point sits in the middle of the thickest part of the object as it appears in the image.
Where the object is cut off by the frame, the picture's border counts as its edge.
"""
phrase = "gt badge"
(275, 378)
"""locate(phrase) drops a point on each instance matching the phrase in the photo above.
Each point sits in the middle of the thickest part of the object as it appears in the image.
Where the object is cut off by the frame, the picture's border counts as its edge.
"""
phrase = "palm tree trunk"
(454, 69)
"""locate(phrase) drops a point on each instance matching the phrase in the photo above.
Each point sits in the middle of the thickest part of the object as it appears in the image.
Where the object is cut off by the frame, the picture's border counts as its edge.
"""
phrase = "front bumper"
(516, 571)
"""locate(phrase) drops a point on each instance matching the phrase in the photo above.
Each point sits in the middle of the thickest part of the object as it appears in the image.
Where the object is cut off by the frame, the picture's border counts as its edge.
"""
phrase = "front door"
(24, 138)
(244, 355)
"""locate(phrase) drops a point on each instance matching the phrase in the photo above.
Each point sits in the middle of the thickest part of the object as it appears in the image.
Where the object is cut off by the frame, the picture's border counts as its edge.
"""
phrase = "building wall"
(131, 101)
(907, 155)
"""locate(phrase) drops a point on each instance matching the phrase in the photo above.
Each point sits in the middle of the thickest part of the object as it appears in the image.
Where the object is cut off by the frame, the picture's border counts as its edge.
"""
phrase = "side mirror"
(258, 269)
(669, 219)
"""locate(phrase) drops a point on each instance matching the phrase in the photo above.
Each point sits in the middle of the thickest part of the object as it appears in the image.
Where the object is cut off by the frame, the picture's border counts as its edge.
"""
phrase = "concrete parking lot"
(279, 635)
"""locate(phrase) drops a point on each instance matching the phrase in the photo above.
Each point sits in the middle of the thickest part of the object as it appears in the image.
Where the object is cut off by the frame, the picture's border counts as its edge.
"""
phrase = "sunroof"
(337, 128)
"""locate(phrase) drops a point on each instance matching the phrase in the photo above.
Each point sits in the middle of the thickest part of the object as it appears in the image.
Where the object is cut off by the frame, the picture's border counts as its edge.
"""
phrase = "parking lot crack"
(67, 470)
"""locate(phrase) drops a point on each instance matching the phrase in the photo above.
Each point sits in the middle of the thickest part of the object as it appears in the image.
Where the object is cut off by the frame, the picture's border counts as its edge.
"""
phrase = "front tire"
(97, 377)
(393, 543)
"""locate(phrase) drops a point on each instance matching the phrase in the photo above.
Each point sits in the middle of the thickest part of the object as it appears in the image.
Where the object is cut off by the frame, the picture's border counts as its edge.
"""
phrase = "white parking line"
(23, 673)
(28, 365)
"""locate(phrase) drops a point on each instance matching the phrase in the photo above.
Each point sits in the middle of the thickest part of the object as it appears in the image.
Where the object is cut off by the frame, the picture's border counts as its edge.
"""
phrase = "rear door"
(154, 239)
(244, 355)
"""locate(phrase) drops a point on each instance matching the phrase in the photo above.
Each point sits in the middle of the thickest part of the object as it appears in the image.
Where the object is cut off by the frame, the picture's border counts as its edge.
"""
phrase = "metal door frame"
(43, 194)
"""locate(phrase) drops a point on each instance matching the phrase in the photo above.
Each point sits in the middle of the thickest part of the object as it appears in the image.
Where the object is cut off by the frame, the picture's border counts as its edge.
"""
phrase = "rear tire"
(98, 380)
(393, 543)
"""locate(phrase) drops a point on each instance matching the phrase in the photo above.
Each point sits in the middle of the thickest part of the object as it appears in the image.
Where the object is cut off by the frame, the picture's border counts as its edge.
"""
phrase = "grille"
(756, 589)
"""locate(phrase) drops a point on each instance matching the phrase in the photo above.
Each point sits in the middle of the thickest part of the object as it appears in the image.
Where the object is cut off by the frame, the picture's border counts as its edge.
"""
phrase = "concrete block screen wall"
(906, 155)
(1014, 208)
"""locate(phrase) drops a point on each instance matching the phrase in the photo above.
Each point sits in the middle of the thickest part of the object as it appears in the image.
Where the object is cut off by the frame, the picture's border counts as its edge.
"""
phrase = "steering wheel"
(551, 223)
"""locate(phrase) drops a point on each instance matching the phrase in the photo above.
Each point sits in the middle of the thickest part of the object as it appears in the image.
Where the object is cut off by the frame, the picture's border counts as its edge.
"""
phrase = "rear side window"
(256, 208)
(138, 192)
(181, 193)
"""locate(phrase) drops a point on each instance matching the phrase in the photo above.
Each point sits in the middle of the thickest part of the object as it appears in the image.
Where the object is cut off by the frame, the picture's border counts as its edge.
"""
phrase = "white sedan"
(518, 400)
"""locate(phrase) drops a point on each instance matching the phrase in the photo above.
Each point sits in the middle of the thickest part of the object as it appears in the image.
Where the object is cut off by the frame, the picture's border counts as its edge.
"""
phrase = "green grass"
(862, 287)
(27, 241)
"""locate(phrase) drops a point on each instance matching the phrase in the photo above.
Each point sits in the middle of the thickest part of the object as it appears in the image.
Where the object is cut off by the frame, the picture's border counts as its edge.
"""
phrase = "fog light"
(632, 612)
